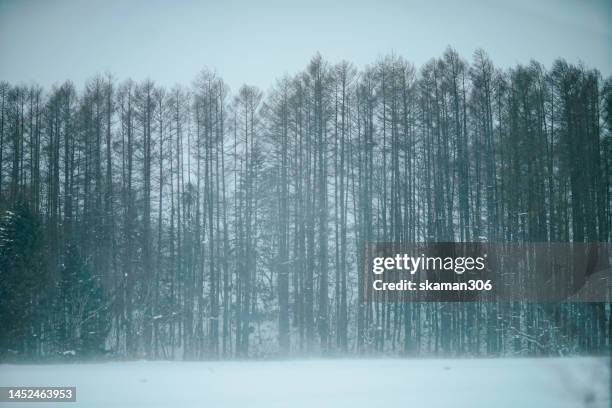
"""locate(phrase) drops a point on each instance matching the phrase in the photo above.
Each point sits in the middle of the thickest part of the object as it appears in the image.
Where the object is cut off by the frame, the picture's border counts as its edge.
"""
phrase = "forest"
(198, 222)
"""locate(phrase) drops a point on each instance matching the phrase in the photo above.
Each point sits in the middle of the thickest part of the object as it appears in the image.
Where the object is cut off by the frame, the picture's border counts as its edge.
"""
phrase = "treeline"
(193, 223)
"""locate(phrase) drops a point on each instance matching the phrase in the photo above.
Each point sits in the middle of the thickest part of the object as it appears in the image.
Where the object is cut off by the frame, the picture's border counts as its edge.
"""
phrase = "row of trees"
(188, 223)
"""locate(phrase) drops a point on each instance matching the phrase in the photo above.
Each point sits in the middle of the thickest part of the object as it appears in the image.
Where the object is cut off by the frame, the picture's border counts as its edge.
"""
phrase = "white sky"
(256, 42)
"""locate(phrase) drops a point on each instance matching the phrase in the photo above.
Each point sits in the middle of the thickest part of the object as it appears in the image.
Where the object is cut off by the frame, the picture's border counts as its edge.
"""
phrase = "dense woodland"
(196, 222)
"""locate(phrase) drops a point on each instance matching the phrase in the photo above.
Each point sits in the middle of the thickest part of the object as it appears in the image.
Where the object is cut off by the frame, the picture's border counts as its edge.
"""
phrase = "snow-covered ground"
(489, 383)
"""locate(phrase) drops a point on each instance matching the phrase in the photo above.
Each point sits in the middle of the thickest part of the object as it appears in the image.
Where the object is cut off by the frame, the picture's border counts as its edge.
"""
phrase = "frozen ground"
(490, 383)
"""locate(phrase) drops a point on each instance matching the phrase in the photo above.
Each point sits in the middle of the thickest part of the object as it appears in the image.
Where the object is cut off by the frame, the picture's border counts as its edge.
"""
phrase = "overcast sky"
(255, 42)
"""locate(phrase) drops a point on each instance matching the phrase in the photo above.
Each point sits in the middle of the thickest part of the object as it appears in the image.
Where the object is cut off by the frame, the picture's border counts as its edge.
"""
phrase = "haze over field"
(437, 383)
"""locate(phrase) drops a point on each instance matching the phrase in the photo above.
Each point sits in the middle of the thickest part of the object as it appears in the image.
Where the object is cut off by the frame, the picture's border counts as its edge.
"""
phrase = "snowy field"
(489, 383)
